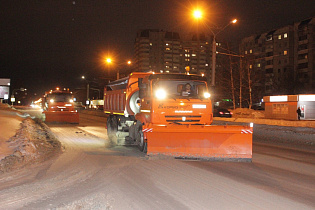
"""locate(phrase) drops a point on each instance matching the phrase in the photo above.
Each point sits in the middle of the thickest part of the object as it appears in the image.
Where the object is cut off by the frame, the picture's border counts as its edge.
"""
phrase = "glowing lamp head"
(206, 95)
(108, 60)
(51, 100)
(160, 94)
(71, 100)
(197, 14)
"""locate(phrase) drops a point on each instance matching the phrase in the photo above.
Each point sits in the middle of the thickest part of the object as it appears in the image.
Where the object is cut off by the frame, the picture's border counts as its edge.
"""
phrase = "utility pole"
(232, 82)
(241, 76)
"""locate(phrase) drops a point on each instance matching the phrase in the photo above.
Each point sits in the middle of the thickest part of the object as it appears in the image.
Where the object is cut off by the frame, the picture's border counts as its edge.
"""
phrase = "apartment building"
(158, 51)
(281, 61)
(304, 60)
(162, 51)
(196, 51)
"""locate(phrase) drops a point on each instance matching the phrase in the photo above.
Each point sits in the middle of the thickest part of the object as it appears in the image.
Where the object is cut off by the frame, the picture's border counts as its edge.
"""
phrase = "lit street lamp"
(110, 61)
(88, 88)
(197, 14)
(214, 50)
(87, 91)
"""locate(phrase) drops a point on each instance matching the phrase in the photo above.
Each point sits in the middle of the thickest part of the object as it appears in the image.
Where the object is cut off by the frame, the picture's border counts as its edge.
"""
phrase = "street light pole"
(87, 90)
(214, 51)
(214, 56)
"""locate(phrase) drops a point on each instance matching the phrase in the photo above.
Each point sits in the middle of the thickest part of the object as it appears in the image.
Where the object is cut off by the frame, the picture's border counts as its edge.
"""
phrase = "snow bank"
(33, 142)
(258, 117)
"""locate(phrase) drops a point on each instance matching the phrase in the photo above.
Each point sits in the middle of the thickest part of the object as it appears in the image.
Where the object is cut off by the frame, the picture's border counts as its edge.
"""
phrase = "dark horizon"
(48, 44)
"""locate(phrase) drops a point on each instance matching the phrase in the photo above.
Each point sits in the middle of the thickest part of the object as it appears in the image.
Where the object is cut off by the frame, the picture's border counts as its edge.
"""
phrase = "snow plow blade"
(209, 142)
(62, 117)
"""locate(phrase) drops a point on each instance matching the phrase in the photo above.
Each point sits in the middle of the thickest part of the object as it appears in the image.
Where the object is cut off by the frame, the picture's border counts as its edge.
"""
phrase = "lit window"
(161, 71)
(167, 71)
(258, 64)
(285, 52)
(168, 48)
(250, 66)
(150, 44)
(206, 64)
(166, 44)
(250, 51)
(193, 54)
(285, 35)
(175, 67)
(279, 37)
(207, 43)
(167, 67)
(186, 55)
(245, 51)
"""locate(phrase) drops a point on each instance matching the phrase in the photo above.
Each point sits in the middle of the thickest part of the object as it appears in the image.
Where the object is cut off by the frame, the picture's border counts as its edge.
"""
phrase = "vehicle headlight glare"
(206, 95)
(160, 94)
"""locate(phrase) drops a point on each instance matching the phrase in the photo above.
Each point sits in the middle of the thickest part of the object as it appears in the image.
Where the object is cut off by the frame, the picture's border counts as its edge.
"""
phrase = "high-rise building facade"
(162, 51)
(281, 61)
(158, 51)
(196, 54)
(304, 60)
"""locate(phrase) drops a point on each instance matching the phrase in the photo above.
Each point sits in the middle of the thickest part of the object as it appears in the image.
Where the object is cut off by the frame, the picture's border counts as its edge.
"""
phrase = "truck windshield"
(181, 88)
(60, 97)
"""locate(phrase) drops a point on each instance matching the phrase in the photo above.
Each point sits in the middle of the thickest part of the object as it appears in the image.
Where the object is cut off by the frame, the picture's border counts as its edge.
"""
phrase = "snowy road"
(92, 175)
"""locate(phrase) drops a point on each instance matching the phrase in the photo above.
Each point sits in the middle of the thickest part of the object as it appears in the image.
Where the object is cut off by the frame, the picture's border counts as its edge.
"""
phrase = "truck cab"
(174, 98)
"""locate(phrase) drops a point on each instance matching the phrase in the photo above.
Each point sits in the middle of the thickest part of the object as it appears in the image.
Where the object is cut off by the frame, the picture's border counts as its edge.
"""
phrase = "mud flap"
(222, 143)
(62, 117)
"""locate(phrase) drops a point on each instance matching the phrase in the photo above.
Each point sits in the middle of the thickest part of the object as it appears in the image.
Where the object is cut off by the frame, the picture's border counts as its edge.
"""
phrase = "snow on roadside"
(32, 143)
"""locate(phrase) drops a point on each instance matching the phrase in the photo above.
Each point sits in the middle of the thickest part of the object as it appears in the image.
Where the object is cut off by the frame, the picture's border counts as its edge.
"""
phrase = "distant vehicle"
(220, 112)
(97, 104)
(58, 106)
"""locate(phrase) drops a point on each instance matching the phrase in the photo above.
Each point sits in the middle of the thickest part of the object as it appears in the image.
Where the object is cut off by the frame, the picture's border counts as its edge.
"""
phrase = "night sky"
(49, 43)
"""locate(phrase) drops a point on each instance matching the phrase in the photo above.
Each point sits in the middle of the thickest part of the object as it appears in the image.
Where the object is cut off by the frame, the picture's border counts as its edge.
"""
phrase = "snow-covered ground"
(23, 140)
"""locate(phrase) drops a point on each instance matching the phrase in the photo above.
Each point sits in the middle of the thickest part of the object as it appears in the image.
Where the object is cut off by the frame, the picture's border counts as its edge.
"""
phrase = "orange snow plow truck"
(171, 114)
(58, 106)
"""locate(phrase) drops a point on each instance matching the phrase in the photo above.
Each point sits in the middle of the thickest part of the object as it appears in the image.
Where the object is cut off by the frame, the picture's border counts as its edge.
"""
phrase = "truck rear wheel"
(112, 128)
(142, 145)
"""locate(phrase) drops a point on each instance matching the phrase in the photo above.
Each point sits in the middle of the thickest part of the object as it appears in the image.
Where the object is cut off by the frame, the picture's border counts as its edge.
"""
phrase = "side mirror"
(142, 88)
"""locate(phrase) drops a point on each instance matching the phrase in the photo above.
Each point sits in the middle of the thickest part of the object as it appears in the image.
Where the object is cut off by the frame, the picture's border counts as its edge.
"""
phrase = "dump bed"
(120, 96)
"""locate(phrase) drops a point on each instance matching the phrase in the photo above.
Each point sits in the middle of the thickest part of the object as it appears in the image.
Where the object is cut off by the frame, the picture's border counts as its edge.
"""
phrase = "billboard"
(4, 92)
(4, 82)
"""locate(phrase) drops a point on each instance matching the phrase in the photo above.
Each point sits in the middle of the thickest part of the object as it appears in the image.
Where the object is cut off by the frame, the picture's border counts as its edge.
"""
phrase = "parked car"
(221, 112)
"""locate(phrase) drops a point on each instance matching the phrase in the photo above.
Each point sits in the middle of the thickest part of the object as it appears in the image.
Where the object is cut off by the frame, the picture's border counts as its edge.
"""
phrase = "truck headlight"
(160, 94)
(51, 100)
(206, 95)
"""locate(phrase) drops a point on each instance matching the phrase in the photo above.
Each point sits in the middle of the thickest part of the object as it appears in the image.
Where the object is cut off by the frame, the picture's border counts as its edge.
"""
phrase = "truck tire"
(112, 128)
(142, 145)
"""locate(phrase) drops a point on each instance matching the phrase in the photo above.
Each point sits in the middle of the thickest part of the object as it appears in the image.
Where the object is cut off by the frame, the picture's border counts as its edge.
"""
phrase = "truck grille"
(179, 118)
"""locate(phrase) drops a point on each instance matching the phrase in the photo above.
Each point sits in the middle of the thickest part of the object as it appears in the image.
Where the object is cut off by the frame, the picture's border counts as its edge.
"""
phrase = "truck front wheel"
(142, 145)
